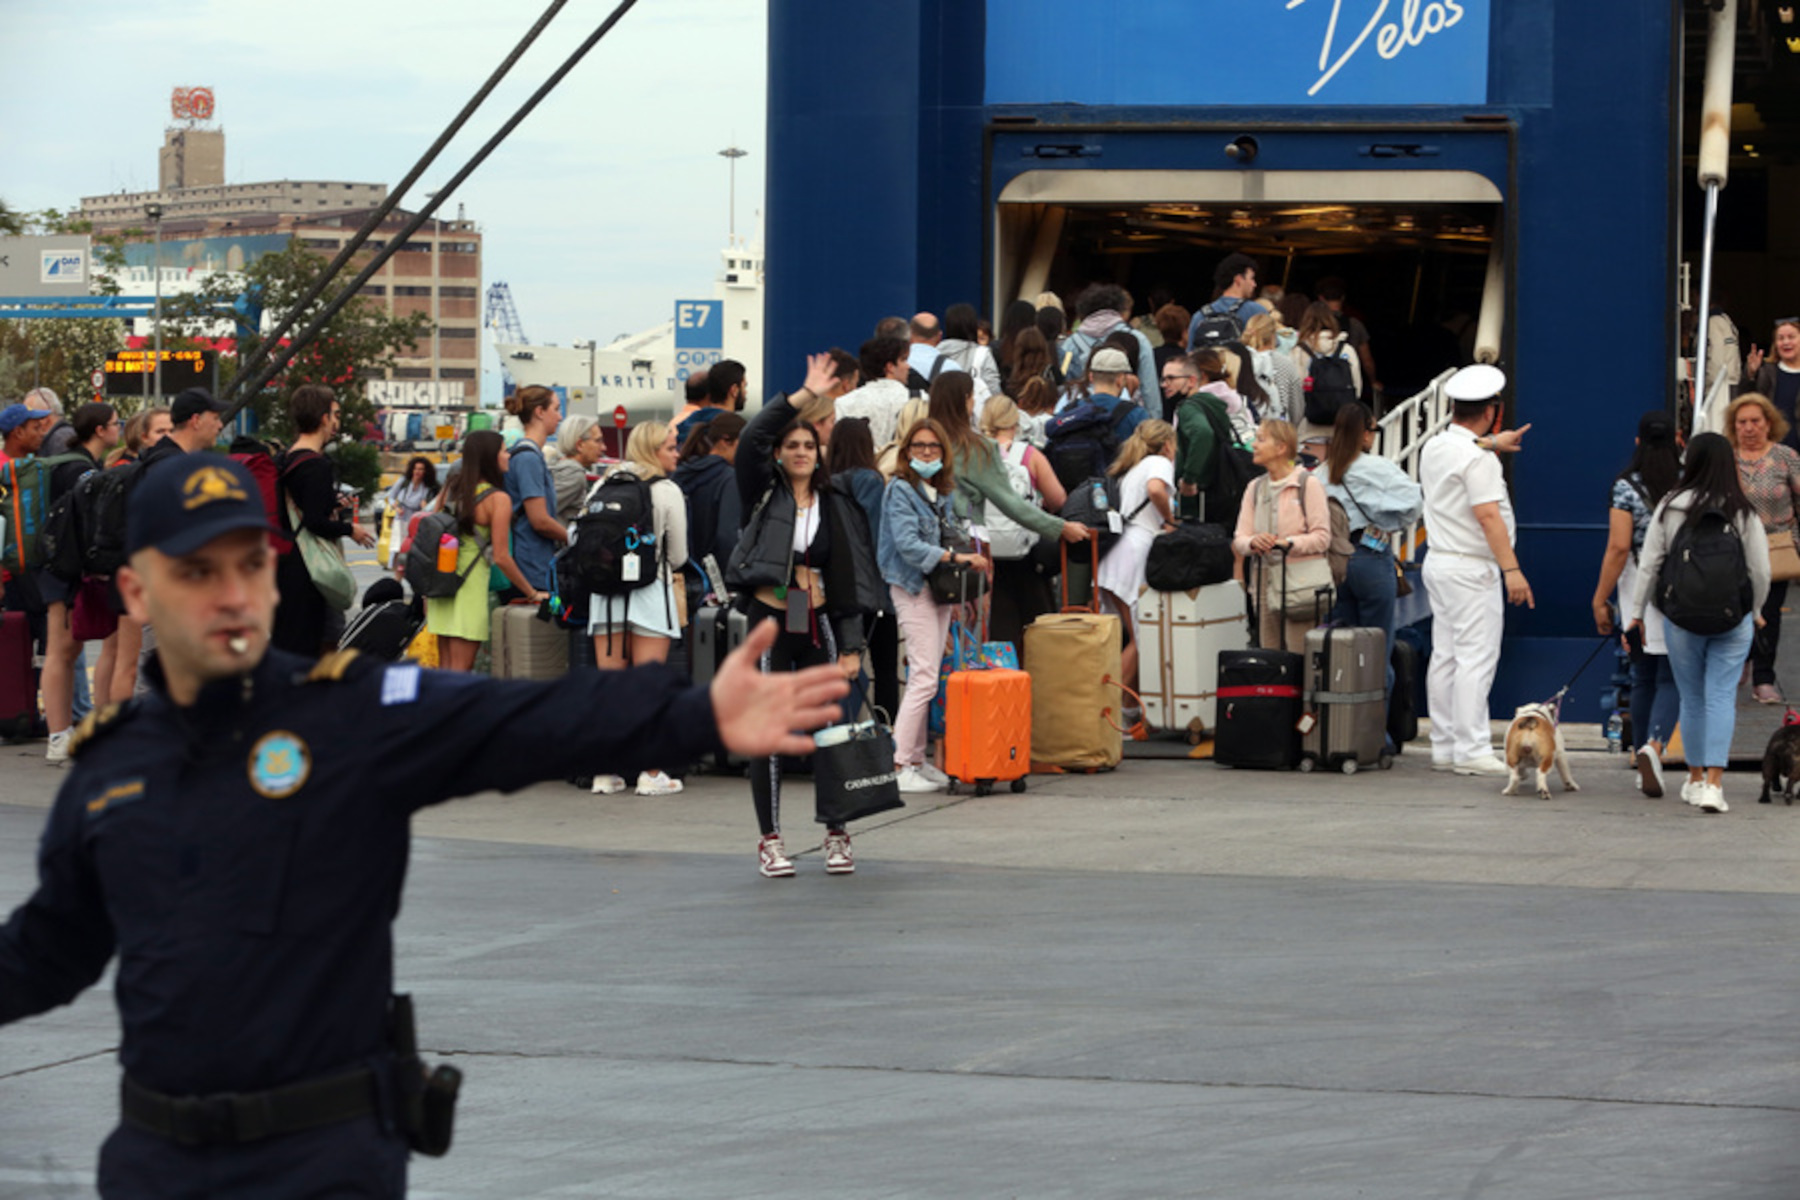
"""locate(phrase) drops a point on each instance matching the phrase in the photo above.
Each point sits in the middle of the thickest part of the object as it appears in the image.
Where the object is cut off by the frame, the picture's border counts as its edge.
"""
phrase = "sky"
(605, 206)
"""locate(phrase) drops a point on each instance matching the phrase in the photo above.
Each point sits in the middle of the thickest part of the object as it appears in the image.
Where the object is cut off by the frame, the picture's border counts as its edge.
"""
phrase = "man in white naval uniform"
(1469, 568)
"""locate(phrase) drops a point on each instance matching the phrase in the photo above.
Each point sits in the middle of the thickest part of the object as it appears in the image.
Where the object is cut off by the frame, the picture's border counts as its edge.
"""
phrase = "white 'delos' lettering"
(1419, 19)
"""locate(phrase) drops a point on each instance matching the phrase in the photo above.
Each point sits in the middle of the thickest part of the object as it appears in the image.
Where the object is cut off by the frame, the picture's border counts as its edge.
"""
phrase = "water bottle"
(1615, 732)
(448, 547)
(1099, 496)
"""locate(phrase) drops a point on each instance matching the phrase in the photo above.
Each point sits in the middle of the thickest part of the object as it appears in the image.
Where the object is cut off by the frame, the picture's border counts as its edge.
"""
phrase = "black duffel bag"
(1193, 555)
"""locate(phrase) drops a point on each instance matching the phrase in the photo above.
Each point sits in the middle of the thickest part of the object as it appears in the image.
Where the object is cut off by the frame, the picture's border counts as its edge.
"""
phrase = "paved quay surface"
(1172, 980)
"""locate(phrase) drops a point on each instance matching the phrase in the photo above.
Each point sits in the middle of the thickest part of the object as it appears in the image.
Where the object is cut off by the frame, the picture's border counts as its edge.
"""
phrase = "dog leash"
(1554, 703)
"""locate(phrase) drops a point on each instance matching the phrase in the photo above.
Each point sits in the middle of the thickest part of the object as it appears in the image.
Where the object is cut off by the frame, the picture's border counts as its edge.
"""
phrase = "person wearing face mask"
(805, 561)
(920, 500)
(1471, 569)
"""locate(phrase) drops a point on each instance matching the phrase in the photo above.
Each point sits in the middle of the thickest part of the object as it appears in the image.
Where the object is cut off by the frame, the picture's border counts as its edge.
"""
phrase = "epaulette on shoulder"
(95, 725)
(333, 667)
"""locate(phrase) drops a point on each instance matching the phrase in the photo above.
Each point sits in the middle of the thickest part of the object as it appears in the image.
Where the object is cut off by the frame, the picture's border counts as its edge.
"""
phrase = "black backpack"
(619, 524)
(62, 540)
(1218, 326)
(1704, 584)
(1081, 443)
(384, 631)
(1329, 386)
(422, 574)
(99, 501)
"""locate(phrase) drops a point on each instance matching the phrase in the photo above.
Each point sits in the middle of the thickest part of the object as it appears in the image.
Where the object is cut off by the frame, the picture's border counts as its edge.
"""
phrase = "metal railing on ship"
(1401, 435)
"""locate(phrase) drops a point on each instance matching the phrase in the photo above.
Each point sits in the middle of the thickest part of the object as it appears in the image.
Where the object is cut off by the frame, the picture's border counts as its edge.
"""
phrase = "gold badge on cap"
(208, 485)
(280, 763)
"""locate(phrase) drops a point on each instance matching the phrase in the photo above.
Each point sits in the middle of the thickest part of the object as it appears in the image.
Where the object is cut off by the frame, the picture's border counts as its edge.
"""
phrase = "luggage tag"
(1114, 521)
(1306, 723)
(631, 568)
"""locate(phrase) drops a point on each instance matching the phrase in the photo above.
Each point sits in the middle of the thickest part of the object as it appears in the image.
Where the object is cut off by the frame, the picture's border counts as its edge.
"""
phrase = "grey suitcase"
(522, 647)
(1345, 701)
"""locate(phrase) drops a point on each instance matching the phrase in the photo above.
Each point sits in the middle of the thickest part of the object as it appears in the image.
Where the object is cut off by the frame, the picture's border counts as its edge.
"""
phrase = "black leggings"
(1768, 638)
(791, 652)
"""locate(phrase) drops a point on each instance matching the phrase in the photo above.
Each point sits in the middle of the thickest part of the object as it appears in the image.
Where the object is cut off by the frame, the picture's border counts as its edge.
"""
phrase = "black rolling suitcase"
(1259, 709)
(717, 630)
(1403, 705)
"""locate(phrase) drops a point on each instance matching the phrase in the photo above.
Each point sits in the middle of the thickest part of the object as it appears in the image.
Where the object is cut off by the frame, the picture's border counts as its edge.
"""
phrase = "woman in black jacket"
(806, 560)
(309, 481)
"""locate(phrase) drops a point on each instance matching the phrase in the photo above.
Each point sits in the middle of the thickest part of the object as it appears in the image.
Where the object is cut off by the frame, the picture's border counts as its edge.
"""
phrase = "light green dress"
(464, 615)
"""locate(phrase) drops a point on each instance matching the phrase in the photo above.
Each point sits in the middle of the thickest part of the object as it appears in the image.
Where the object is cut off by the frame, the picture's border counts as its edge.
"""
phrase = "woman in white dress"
(1145, 469)
(638, 628)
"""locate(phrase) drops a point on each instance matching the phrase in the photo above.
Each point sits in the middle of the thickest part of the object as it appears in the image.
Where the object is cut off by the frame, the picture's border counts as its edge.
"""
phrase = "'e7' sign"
(699, 324)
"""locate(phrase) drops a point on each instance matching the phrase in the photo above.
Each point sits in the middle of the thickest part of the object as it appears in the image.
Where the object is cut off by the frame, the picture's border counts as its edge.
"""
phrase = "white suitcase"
(1180, 635)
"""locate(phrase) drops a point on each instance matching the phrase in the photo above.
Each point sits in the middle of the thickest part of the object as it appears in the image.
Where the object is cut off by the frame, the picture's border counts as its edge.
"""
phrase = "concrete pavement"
(1172, 980)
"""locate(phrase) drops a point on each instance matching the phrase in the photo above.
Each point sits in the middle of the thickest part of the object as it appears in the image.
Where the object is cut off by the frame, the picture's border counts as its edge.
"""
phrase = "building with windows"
(208, 226)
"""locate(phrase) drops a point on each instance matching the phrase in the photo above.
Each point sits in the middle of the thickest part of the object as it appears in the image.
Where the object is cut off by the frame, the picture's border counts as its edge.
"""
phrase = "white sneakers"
(1709, 797)
(838, 860)
(1482, 766)
(772, 858)
(1650, 771)
(606, 785)
(913, 780)
(655, 783)
(932, 773)
(58, 750)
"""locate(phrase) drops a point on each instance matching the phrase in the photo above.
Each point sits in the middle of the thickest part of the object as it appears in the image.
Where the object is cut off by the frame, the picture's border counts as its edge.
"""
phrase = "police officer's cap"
(1472, 384)
(186, 501)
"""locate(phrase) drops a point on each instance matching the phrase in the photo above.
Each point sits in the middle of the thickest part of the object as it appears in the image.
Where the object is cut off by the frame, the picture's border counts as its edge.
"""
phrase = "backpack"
(1190, 556)
(99, 500)
(603, 556)
(61, 541)
(268, 479)
(1704, 584)
(421, 572)
(1007, 537)
(1077, 346)
(1329, 385)
(1218, 326)
(1338, 553)
(383, 631)
(25, 507)
(1081, 443)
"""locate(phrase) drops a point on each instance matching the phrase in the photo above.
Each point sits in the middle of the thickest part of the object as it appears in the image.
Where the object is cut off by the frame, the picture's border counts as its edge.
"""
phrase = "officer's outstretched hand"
(759, 714)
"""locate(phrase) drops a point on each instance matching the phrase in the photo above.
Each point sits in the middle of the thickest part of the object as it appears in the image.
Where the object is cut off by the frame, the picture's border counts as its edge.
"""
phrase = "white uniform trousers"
(1468, 616)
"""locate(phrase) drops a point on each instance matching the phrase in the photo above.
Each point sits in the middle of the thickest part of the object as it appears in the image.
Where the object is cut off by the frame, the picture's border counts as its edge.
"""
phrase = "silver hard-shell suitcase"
(1345, 701)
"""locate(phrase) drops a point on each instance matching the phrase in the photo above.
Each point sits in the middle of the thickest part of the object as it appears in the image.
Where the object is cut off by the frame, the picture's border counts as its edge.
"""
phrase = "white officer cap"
(1479, 382)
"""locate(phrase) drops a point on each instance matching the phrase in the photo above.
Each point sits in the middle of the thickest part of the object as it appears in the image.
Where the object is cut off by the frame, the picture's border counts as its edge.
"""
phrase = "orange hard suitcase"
(987, 728)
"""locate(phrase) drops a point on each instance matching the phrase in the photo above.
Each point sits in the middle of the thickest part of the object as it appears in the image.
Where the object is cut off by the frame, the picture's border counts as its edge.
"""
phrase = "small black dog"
(1781, 761)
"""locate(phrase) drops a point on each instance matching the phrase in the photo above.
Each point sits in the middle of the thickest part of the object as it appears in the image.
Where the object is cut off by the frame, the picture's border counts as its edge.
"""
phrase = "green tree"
(359, 341)
(58, 352)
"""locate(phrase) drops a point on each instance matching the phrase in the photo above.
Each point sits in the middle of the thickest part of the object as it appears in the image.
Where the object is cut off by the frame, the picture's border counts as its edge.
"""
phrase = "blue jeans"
(1367, 598)
(1706, 674)
(1654, 699)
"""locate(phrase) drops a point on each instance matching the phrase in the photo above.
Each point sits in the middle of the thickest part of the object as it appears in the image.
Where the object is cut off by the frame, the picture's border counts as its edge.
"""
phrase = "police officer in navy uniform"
(239, 837)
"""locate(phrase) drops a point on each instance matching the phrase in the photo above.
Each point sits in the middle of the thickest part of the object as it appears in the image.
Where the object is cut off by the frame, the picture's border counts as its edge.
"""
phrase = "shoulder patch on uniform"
(93, 725)
(332, 667)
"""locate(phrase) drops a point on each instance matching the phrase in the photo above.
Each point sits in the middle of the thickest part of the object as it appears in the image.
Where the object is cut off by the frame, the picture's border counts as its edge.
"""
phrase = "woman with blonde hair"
(638, 628)
(1769, 473)
(1283, 521)
(1274, 367)
(1021, 594)
(1145, 469)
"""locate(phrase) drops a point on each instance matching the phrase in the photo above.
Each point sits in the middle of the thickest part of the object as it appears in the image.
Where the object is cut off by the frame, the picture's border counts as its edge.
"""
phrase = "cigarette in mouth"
(239, 644)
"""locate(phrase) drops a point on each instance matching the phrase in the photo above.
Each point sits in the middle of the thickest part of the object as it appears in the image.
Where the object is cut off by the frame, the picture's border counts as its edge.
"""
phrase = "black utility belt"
(234, 1118)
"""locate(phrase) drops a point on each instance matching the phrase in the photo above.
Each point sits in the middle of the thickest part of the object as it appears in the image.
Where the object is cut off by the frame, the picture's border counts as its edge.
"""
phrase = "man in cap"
(239, 838)
(1471, 569)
